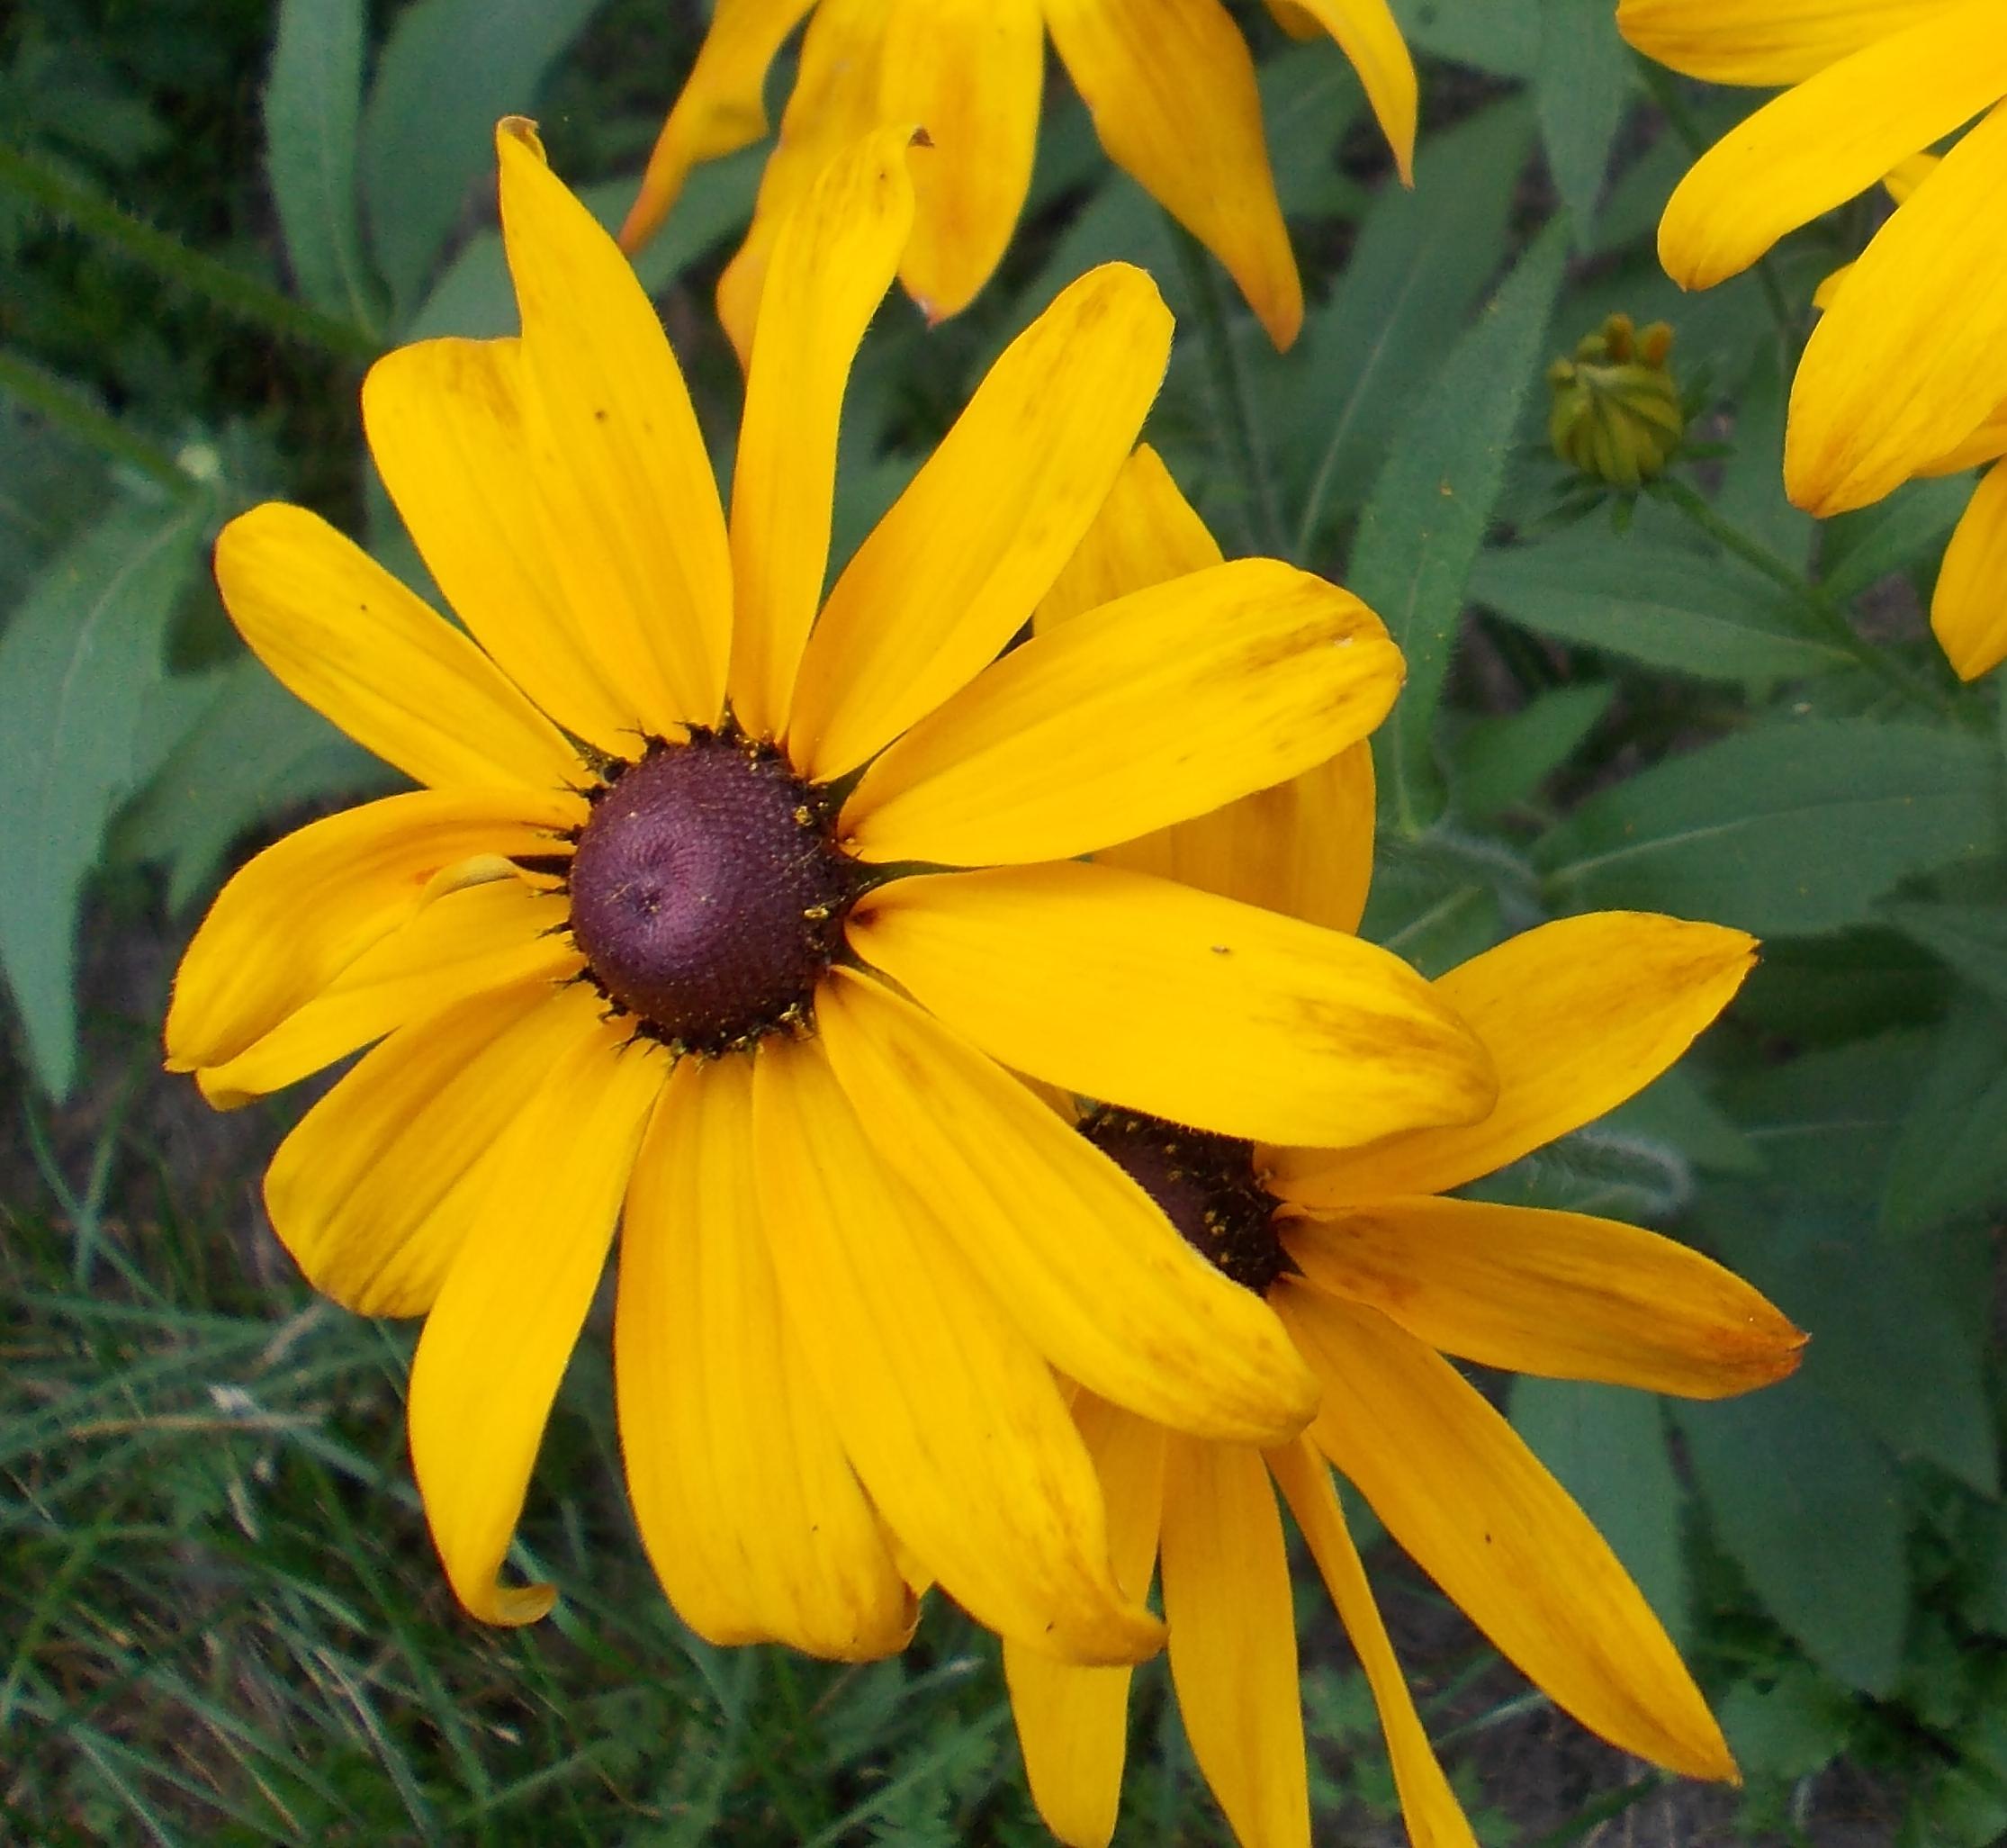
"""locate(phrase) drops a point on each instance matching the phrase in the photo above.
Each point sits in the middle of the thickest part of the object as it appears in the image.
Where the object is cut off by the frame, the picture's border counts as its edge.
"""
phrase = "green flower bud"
(1615, 413)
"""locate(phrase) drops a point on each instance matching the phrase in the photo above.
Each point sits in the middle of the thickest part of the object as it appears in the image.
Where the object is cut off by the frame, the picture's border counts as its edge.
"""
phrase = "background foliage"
(221, 1620)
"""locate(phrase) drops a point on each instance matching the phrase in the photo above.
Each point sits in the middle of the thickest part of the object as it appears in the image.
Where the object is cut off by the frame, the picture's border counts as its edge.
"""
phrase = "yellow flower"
(1170, 85)
(1906, 373)
(1377, 1277)
(675, 922)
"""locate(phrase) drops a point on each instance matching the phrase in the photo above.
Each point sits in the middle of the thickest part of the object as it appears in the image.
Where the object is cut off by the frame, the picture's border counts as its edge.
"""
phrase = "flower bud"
(1615, 413)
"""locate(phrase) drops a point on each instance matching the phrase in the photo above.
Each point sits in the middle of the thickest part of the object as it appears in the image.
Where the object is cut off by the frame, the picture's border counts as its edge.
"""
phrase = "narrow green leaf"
(1896, 533)
(1504, 40)
(1607, 1447)
(312, 99)
(1808, 1506)
(1795, 826)
(1500, 763)
(450, 69)
(1664, 605)
(75, 665)
(1422, 528)
(1950, 1155)
(1971, 938)
(1581, 82)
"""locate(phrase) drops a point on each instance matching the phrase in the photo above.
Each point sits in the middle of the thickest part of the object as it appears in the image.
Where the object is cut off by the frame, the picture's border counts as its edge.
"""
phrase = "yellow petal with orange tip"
(1073, 1722)
(1145, 534)
(720, 108)
(1763, 43)
(499, 1338)
(1303, 848)
(301, 912)
(1429, 1810)
(1174, 1002)
(1370, 36)
(1233, 1638)
(958, 565)
(1160, 706)
(1479, 1513)
(633, 529)
(832, 262)
(1889, 381)
(1085, 1263)
(338, 630)
(953, 1420)
(1171, 87)
(746, 1503)
(379, 1185)
(969, 71)
(491, 935)
(1968, 612)
(1578, 1014)
(445, 420)
(1558, 1294)
(1833, 136)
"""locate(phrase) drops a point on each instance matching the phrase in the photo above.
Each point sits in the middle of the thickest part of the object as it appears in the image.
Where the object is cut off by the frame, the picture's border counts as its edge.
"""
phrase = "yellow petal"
(445, 420)
(969, 72)
(746, 1503)
(498, 1340)
(1428, 1807)
(1073, 1722)
(1763, 43)
(832, 265)
(342, 633)
(1559, 1293)
(379, 1183)
(835, 102)
(951, 1419)
(1906, 177)
(1833, 136)
(959, 563)
(1233, 1638)
(1830, 285)
(1171, 88)
(1371, 38)
(306, 907)
(1889, 381)
(1578, 1014)
(1986, 444)
(1146, 534)
(1190, 1008)
(1303, 848)
(720, 108)
(1160, 706)
(634, 531)
(1071, 1247)
(1969, 609)
(1480, 1514)
(493, 935)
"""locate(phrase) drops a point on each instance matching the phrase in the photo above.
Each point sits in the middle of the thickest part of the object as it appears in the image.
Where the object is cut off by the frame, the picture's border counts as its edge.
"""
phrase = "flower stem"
(1819, 615)
(1232, 399)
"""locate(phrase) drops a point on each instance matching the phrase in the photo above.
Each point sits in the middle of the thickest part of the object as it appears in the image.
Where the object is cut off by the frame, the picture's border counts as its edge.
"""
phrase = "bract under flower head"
(1169, 83)
(689, 836)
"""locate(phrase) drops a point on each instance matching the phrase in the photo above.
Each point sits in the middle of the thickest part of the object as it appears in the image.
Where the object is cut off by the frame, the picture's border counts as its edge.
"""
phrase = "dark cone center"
(1207, 1185)
(707, 893)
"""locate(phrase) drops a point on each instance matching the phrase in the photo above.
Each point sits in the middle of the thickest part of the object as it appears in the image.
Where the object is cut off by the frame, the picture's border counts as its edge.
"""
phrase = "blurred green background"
(222, 1622)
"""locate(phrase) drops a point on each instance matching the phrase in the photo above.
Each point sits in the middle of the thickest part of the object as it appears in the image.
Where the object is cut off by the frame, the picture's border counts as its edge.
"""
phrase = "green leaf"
(1607, 1447)
(1788, 1727)
(1808, 1506)
(1795, 827)
(450, 69)
(1499, 763)
(1423, 527)
(1581, 81)
(1824, 1122)
(1677, 1111)
(1902, 529)
(1504, 40)
(75, 667)
(1971, 938)
(1751, 497)
(1950, 1155)
(254, 753)
(312, 100)
(1419, 268)
(1664, 604)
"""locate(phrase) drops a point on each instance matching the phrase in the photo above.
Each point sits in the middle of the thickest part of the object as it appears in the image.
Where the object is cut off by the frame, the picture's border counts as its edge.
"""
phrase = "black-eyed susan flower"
(729, 904)
(1169, 83)
(1379, 1274)
(1906, 373)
